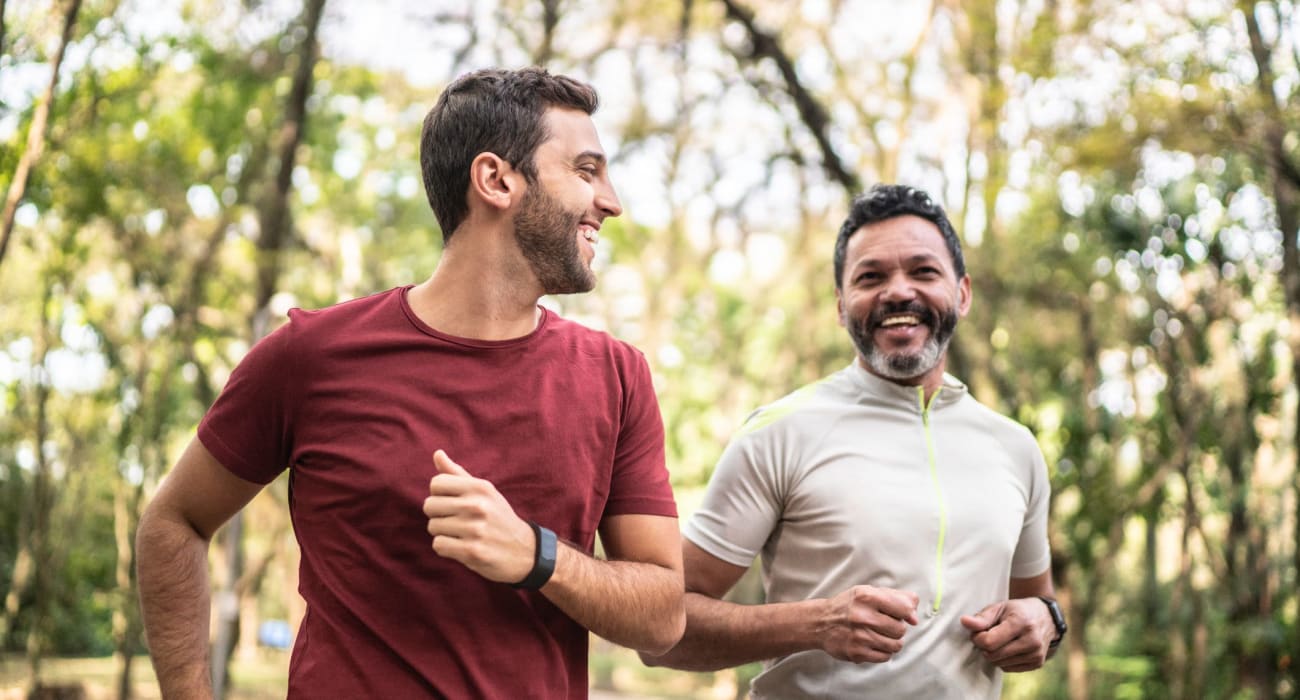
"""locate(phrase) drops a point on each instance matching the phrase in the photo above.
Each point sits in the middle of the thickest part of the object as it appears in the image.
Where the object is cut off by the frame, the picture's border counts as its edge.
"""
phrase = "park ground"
(263, 678)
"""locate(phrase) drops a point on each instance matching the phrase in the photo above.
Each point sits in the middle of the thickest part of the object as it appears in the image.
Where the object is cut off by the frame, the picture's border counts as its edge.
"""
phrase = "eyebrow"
(590, 155)
(914, 260)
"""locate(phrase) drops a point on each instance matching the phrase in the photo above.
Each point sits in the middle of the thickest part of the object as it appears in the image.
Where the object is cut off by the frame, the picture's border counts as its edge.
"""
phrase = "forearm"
(172, 568)
(721, 634)
(634, 604)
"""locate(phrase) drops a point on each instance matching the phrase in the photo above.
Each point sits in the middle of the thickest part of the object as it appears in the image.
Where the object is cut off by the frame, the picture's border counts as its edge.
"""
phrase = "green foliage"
(82, 624)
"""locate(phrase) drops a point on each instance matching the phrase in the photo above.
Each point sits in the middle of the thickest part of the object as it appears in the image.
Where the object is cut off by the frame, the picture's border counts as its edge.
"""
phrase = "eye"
(927, 271)
(588, 172)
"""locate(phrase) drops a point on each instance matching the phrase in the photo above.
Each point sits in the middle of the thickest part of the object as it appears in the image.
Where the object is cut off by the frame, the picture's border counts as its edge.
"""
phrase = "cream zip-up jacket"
(857, 480)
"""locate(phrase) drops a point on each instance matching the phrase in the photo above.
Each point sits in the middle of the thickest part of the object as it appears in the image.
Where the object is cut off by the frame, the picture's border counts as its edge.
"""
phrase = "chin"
(573, 286)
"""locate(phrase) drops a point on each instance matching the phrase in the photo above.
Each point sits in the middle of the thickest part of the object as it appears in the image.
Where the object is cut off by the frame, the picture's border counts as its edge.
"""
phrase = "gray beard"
(903, 366)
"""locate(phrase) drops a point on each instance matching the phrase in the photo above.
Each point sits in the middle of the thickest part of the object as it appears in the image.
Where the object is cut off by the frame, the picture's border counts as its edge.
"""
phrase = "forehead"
(897, 238)
(570, 132)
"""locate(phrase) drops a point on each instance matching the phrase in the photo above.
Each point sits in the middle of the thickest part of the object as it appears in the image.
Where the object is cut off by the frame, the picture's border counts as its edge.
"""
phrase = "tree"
(36, 131)
(273, 235)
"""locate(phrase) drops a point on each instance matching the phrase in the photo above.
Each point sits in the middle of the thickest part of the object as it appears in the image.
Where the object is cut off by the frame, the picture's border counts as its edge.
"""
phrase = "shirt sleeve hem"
(642, 506)
(716, 547)
(1032, 569)
(228, 457)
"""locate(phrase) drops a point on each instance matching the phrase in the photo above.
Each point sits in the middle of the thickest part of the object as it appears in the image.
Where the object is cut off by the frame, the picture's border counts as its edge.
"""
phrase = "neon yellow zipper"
(938, 493)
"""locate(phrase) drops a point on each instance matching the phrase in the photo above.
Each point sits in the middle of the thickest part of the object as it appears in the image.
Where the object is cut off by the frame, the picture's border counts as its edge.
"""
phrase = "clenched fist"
(472, 523)
(866, 623)
(1015, 635)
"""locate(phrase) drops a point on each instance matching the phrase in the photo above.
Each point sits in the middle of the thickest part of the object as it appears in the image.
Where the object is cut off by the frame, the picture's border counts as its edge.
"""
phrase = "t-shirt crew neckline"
(428, 330)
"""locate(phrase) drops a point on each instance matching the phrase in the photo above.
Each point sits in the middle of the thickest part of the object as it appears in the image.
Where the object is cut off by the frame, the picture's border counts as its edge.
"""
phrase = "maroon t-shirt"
(354, 399)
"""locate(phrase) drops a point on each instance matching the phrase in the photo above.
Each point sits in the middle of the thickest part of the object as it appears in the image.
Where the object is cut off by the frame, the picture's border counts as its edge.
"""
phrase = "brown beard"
(546, 235)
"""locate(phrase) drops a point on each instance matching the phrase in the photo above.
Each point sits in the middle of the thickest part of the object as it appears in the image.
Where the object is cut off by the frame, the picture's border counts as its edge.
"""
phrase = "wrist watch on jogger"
(1058, 619)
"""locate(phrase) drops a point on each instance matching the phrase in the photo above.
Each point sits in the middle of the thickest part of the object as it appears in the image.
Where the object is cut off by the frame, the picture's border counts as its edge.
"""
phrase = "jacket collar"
(878, 388)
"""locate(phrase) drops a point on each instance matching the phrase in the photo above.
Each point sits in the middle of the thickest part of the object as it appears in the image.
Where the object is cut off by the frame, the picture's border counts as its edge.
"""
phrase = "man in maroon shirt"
(453, 447)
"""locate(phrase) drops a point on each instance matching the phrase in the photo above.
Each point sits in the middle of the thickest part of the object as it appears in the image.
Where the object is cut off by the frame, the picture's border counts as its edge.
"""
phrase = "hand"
(866, 624)
(472, 523)
(1015, 635)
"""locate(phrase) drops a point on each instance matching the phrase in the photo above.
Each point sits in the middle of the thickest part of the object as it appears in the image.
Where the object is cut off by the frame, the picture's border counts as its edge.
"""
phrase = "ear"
(839, 307)
(964, 295)
(494, 181)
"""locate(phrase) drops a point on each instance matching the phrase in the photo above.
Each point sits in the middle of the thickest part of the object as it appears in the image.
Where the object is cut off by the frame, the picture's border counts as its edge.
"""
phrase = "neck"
(481, 289)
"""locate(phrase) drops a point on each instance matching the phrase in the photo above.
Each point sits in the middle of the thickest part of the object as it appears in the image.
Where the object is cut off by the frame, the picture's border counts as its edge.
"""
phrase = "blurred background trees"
(1125, 175)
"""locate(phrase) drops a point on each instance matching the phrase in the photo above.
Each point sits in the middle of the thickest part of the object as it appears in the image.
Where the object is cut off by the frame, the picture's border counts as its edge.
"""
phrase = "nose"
(899, 288)
(607, 199)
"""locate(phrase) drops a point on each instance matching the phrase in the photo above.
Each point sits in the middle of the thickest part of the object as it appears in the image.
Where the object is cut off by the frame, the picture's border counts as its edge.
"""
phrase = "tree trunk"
(1077, 669)
(2, 27)
(36, 132)
(272, 239)
(1200, 648)
(1076, 647)
(981, 58)
(1155, 642)
(1284, 178)
(1295, 490)
(126, 618)
(18, 582)
(550, 18)
(42, 501)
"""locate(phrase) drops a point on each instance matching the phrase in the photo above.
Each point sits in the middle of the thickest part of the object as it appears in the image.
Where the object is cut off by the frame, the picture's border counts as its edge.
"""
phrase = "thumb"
(445, 466)
(983, 619)
(913, 601)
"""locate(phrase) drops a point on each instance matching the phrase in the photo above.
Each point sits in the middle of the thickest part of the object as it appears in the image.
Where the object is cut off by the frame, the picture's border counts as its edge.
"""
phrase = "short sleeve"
(742, 503)
(639, 482)
(1033, 554)
(249, 427)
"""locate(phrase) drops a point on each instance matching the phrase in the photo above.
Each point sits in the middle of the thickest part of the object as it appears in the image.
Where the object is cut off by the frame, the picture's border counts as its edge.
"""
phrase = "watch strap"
(543, 558)
(1058, 619)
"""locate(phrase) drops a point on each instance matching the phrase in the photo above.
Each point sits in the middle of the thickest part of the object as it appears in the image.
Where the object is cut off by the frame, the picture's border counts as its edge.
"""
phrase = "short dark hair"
(489, 111)
(883, 202)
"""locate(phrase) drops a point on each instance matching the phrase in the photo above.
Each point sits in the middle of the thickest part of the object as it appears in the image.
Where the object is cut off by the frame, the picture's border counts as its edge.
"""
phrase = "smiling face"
(900, 299)
(558, 221)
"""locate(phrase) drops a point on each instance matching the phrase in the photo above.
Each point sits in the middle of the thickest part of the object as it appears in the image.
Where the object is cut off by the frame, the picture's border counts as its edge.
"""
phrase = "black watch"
(543, 558)
(1058, 619)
